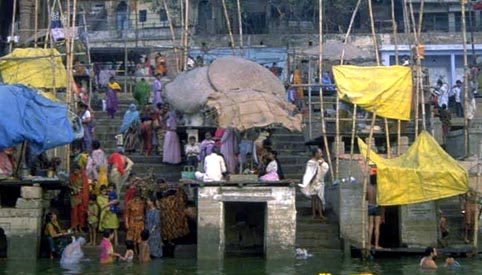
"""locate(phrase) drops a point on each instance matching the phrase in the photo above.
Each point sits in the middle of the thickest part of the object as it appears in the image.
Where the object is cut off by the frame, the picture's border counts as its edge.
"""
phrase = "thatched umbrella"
(243, 109)
(189, 91)
(332, 50)
(231, 73)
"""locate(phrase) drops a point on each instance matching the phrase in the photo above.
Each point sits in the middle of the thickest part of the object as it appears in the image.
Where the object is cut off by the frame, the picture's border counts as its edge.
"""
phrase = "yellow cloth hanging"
(424, 173)
(386, 89)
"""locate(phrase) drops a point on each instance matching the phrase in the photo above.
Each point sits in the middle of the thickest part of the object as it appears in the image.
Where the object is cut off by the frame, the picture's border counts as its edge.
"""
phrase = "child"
(129, 255)
(113, 208)
(106, 249)
(144, 251)
(107, 219)
(93, 219)
(192, 152)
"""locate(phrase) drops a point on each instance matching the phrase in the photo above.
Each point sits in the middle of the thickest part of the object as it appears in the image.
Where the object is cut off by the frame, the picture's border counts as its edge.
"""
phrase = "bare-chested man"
(374, 211)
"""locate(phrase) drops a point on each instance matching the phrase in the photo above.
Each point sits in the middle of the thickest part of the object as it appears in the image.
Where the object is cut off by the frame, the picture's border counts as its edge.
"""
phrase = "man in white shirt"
(459, 104)
(214, 167)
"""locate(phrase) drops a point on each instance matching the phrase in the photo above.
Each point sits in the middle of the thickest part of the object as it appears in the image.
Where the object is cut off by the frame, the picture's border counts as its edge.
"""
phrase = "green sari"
(108, 220)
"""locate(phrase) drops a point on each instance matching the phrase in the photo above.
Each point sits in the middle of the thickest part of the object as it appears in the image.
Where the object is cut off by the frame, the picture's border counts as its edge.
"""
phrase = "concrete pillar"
(26, 25)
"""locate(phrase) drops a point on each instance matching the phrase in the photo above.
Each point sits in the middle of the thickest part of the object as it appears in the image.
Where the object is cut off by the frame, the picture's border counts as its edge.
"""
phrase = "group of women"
(152, 129)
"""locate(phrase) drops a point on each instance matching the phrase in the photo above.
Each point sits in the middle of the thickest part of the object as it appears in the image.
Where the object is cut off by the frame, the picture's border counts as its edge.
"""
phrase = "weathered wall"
(23, 223)
(280, 225)
(418, 225)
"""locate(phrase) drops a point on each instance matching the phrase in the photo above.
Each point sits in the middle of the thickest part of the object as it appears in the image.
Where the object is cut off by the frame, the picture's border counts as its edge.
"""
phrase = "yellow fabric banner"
(33, 67)
(424, 173)
(386, 89)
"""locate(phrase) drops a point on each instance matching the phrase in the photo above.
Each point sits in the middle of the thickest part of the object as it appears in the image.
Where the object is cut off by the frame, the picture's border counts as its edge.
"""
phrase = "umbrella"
(332, 51)
(232, 73)
(243, 109)
(190, 90)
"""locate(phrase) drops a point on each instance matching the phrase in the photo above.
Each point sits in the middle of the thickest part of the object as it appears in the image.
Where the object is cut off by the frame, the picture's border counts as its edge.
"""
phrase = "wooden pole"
(355, 11)
(228, 25)
(35, 34)
(183, 55)
(173, 34)
(320, 70)
(89, 60)
(394, 28)
(375, 44)
(186, 30)
(337, 138)
(12, 31)
(337, 158)
(466, 84)
(352, 140)
(240, 23)
(395, 39)
(365, 184)
(415, 35)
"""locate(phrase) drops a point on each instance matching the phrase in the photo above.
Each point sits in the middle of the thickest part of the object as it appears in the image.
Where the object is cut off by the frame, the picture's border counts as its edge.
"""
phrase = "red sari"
(79, 199)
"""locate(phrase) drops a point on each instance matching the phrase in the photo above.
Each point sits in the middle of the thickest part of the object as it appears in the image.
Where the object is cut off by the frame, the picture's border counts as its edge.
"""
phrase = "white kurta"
(214, 167)
(314, 179)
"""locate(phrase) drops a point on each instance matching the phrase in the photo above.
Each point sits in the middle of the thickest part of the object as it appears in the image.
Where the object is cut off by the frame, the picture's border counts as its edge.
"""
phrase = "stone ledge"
(18, 212)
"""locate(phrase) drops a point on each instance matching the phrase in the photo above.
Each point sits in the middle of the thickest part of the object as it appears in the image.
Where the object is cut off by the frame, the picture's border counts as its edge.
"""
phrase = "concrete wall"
(23, 224)
(418, 224)
(280, 221)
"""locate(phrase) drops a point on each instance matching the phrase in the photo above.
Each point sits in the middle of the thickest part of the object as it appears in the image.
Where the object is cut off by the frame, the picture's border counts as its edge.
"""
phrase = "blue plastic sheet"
(28, 116)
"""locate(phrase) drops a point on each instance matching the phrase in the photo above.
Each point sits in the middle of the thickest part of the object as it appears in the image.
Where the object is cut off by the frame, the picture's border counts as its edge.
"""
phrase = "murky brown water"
(333, 263)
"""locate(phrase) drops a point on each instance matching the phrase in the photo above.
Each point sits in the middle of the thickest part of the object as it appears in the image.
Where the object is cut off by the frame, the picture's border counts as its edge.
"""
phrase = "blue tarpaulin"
(28, 116)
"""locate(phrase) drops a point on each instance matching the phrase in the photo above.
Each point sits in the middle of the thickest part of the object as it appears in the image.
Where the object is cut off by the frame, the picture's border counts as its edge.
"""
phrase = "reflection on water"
(335, 264)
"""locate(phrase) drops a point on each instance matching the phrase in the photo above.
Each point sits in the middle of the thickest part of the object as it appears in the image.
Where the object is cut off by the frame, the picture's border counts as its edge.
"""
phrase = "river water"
(333, 263)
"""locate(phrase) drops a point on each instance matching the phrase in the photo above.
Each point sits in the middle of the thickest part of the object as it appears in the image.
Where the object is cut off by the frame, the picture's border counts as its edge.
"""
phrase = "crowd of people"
(153, 213)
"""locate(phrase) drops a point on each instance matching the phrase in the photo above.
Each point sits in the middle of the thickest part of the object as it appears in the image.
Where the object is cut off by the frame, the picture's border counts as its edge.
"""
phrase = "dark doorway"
(390, 229)
(244, 227)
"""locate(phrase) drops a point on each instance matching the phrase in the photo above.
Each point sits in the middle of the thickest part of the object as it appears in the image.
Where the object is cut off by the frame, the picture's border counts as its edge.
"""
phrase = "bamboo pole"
(355, 11)
(183, 55)
(35, 34)
(12, 31)
(417, 91)
(337, 158)
(352, 140)
(397, 62)
(173, 35)
(89, 59)
(466, 84)
(320, 70)
(375, 44)
(365, 183)
(395, 34)
(337, 138)
(186, 31)
(228, 25)
(240, 23)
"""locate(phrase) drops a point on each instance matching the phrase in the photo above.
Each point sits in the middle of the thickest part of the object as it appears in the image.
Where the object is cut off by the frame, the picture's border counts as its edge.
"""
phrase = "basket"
(188, 172)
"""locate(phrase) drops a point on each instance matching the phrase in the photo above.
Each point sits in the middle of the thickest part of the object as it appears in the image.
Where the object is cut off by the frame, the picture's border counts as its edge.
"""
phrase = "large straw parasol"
(332, 50)
(189, 91)
(231, 73)
(243, 109)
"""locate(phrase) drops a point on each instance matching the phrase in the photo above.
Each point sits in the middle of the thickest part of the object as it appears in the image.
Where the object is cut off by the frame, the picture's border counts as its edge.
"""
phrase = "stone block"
(31, 192)
(28, 203)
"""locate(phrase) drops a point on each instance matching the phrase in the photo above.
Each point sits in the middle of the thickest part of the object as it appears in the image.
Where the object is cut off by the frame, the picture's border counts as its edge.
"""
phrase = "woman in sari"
(121, 167)
(130, 128)
(271, 168)
(107, 220)
(172, 147)
(172, 205)
(153, 224)
(135, 219)
(111, 97)
(56, 237)
(79, 199)
(146, 130)
(95, 162)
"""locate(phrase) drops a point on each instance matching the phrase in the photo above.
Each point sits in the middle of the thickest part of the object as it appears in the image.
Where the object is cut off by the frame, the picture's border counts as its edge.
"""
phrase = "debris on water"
(302, 253)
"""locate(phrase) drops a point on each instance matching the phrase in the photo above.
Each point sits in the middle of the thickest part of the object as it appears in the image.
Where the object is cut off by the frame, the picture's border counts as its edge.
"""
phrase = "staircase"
(106, 129)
